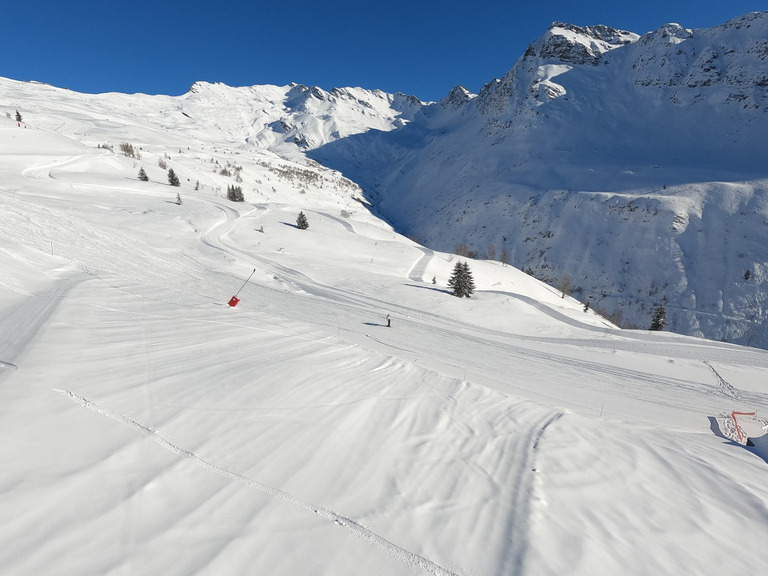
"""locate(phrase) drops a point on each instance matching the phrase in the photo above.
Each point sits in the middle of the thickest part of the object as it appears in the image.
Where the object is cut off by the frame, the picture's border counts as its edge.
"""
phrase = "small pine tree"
(18, 116)
(173, 180)
(659, 318)
(302, 221)
(197, 185)
(143, 175)
(178, 198)
(461, 282)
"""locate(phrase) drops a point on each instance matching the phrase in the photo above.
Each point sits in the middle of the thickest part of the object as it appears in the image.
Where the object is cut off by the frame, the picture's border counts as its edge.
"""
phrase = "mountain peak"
(457, 97)
(571, 44)
(668, 34)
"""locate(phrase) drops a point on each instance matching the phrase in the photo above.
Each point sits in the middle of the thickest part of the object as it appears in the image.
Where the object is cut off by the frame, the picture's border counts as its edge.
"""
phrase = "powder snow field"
(149, 428)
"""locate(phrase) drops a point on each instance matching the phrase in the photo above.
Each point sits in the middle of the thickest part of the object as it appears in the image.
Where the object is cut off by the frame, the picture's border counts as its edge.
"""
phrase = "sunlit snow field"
(149, 428)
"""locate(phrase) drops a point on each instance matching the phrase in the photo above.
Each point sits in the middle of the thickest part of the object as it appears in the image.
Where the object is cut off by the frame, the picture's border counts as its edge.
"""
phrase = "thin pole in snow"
(246, 282)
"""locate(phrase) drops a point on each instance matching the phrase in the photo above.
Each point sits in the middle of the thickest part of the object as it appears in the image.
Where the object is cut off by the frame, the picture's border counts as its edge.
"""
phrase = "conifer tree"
(461, 282)
(302, 221)
(470, 282)
(173, 180)
(143, 175)
(659, 318)
(18, 116)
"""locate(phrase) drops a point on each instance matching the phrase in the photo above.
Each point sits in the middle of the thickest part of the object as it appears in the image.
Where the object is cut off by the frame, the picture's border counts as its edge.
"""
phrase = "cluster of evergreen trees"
(235, 193)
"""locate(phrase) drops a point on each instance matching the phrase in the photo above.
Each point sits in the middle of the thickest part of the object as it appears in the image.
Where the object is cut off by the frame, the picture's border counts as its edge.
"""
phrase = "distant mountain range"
(634, 168)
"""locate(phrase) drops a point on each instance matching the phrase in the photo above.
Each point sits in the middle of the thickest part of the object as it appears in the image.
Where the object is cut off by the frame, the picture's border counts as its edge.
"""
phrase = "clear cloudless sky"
(419, 47)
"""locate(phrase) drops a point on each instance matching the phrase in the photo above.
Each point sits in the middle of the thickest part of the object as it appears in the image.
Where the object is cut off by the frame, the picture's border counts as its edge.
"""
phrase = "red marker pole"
(234, 300)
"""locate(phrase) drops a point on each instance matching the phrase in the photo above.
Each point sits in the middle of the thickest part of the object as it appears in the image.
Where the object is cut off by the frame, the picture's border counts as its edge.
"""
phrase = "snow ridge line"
(365, 534)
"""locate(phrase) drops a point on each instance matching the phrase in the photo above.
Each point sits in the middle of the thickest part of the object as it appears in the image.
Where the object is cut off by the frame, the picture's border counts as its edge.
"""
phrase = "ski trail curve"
(45, 171)
(416, 273)
(405, 556)
(347, 225)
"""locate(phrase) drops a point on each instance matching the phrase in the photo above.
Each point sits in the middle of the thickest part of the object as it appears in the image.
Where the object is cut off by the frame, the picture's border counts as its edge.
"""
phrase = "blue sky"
(420, 47)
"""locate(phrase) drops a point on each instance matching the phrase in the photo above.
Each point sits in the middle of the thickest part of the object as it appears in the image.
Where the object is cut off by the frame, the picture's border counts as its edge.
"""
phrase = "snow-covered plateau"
(148, 427)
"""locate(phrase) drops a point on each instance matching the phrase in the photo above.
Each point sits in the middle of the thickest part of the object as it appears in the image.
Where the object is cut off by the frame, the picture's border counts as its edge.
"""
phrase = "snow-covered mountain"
(635, 165)
(149, 428)
(630, 167)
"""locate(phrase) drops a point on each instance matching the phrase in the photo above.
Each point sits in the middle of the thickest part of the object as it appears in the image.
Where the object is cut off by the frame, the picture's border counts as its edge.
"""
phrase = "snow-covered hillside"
(149, 428)
(635, 165)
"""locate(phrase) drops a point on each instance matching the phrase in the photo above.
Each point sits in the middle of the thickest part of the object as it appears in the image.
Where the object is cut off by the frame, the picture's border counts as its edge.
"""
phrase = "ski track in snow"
(725, 387)
(347, 225)
(513, 563)
(416, 273)
(405, 556)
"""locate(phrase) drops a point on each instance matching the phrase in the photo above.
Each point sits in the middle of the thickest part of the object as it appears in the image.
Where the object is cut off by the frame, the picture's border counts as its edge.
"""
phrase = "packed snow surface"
(149, 428)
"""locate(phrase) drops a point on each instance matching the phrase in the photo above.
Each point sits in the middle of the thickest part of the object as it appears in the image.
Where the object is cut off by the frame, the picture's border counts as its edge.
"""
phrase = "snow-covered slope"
(634, 165)
(149, 428)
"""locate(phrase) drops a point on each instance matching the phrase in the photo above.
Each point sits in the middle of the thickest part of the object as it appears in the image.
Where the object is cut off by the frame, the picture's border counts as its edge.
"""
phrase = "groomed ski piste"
(149, 428)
